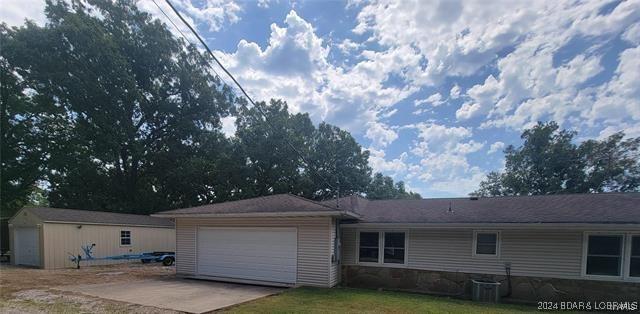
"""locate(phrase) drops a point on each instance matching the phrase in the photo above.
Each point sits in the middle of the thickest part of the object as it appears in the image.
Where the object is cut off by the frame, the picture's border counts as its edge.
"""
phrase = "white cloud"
(380, 134)
(347, 46)
(294, 66)
(577, 71)
(434, 100)
(395, 167)
(496, 147)
(455, 92)
(213, 13)
(632, 34)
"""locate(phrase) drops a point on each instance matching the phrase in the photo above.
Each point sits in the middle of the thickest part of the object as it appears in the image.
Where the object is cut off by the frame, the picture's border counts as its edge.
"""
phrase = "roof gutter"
(331, 213)
(595, 226)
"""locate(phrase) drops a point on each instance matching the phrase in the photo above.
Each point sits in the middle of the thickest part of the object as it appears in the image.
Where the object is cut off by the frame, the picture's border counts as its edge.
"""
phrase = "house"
(554, 247)
(48, 237)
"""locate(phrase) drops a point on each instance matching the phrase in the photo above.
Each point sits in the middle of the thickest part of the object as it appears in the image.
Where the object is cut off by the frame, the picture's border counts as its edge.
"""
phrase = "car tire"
(167, 261)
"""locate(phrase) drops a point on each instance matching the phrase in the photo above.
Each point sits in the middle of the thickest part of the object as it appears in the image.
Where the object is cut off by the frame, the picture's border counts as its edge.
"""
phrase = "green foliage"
(549, 163)
(383, 187)
(135, 113)
(114, 113)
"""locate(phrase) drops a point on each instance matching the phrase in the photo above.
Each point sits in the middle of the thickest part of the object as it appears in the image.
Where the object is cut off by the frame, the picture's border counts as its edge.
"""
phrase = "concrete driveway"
(186, 295)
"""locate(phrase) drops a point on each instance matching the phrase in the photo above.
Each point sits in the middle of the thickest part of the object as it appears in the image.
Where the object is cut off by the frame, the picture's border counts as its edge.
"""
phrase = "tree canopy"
(109, 111)
(549, 162)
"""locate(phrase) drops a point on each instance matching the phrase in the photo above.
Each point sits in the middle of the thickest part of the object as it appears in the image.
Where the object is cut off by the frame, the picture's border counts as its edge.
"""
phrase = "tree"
(336, 157)
(549, 163)
(137, 113)
(21, 152)
(383, 187)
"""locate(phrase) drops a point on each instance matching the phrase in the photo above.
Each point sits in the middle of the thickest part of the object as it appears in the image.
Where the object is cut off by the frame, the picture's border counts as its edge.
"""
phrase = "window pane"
(394, 247)
(605, 245)
(634, 267)
(369, 239)
(486, 243)
(369, 247)
(486, 249)
(394, 256)
(635, 246)
(369, 255)
(394, 239)
(604, 266)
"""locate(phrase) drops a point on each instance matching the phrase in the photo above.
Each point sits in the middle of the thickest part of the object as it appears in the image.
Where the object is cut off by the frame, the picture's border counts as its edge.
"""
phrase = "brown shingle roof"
(605, 208)
(279, 203)
(97, 217)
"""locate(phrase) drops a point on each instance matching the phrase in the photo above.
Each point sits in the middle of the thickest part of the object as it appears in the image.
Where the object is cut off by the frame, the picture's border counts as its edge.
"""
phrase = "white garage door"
(254, 254)
(25, 245)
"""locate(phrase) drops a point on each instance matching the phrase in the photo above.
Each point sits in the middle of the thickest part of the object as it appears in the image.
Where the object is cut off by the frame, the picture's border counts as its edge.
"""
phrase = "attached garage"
(280, 240)
(46, 237)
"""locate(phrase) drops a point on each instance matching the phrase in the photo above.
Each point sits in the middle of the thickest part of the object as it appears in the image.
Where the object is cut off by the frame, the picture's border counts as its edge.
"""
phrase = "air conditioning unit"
(486, 291)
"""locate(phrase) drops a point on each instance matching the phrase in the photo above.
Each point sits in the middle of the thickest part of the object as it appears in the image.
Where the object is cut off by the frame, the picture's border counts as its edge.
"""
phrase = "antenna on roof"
(450, 209)
(338, 192)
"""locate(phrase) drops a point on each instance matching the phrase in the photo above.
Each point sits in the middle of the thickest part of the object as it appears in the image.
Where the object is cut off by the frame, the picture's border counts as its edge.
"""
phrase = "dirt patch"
(27, 290)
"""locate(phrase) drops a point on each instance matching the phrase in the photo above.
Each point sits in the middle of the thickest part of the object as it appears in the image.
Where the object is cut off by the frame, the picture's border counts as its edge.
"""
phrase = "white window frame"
(381, 245)
(625, 256)
(130, 238)
(498, 234)
(627, 261)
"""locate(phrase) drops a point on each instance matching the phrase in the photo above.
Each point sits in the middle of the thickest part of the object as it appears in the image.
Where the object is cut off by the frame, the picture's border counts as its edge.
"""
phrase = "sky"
(435, 90)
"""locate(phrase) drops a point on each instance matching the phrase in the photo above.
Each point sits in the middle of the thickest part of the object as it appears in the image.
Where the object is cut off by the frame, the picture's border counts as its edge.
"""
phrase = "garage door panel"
(260, 254)
(244, 260)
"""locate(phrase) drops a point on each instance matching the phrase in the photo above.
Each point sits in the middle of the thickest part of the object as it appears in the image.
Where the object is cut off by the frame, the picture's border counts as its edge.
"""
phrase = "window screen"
(604, 255)
(369, 246)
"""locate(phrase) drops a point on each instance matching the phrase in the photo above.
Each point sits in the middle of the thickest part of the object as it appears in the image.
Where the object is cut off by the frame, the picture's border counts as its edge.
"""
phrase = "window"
(382, 247)
(604, 255)
(634, 261)
(125, 237)
(369, 247)
(394, 247)
(486, 243)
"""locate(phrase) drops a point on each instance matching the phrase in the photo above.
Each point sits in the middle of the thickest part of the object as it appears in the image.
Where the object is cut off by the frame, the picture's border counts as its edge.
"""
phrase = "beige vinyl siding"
(349, 246)
(543, 253)
(61, 240)
(313, 244)
(334, 268)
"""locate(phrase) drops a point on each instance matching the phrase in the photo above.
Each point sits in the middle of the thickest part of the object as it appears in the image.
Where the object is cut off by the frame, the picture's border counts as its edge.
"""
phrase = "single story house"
(554, 247)
(47, 237)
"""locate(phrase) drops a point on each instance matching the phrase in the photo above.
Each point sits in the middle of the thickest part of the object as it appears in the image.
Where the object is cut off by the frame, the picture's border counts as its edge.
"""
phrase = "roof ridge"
(312, 201)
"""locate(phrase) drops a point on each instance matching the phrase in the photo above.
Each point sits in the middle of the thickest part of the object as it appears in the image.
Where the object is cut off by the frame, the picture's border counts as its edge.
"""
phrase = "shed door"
(27, 250)
(253, 254)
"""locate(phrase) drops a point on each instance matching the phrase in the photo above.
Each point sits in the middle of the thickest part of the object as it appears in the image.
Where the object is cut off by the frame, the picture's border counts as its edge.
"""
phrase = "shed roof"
(600, 208)
(272, 205)
(48, 214)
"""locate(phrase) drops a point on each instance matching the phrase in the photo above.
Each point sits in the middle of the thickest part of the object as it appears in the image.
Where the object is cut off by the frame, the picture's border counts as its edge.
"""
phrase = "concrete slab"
(186, 295)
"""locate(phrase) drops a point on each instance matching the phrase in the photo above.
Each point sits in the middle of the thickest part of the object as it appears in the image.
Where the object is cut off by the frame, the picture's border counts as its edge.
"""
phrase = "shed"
(47, 237)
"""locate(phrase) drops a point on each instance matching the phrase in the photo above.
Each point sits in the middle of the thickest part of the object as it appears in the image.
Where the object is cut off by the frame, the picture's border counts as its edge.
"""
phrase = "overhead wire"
(244, 92)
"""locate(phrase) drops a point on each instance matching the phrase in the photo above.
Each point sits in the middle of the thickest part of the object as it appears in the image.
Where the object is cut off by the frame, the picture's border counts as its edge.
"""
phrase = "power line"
(243, 91)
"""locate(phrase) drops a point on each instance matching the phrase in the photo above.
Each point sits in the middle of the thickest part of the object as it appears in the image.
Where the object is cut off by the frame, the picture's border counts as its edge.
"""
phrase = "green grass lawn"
(341, 300)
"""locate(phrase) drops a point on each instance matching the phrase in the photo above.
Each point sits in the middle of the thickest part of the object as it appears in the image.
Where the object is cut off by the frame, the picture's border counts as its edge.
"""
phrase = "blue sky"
(434, 89)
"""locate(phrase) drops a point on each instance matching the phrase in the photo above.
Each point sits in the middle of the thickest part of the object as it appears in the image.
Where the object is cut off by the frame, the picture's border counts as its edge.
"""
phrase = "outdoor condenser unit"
(486, 291)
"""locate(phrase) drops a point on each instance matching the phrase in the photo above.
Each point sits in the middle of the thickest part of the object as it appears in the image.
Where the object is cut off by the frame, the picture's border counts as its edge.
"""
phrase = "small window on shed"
(604, 255)
(125, 237)
(486, 243)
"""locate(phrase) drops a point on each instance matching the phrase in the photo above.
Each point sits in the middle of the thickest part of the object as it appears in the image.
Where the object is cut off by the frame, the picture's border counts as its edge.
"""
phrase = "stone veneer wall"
(527, 289)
